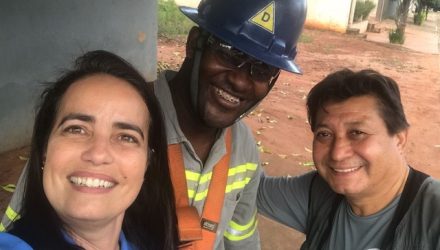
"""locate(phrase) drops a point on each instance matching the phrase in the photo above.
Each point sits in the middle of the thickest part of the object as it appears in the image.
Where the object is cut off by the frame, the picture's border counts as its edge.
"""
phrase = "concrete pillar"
(352, 7)
(380, 10)
(39, 38)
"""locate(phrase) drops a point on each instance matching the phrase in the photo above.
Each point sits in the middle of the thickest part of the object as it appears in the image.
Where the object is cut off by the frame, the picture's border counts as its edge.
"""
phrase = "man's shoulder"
(426, 204)
(422, 220)
(242, 135)
(240, 124)
(431, 190)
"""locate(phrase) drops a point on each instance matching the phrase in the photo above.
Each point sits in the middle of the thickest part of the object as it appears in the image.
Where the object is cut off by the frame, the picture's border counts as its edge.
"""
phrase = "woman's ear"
(191, 42)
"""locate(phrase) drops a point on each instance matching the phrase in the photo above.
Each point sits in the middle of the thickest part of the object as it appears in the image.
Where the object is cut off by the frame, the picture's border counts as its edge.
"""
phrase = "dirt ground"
(279, 123)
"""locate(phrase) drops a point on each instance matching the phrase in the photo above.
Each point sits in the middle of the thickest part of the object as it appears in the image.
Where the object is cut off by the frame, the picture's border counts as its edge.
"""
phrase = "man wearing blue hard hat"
(233, 59)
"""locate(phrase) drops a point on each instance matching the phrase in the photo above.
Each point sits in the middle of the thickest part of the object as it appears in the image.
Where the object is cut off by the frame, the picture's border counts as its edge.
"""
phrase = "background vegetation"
(362, 10)
(171, 22)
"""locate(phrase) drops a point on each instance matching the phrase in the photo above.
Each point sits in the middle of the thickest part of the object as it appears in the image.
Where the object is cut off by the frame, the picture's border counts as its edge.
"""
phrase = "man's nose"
(98, 151)
(240, 78)
(341, 148)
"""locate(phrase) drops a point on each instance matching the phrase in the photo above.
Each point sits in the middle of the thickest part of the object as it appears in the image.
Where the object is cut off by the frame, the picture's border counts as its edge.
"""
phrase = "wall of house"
(327, 15)
(41, 37)
(189, 3)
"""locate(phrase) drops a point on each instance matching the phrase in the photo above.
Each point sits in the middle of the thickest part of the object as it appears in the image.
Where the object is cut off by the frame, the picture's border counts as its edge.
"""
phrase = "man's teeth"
(227, 96)
(91, 182)
(347, 170)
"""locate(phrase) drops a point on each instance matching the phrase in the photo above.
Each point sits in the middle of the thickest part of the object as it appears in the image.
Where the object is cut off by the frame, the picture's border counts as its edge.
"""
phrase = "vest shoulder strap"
(412, 186)
(212, 210)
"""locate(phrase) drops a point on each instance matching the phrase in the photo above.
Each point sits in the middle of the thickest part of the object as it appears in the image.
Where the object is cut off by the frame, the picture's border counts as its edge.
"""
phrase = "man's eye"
(128, 138)
(229, 57)
(323, 134)
(357, 134)
(74, 130)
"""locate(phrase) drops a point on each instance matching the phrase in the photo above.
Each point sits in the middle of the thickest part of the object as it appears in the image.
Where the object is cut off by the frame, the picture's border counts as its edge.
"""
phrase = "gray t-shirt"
(351, 231)
(285, 199)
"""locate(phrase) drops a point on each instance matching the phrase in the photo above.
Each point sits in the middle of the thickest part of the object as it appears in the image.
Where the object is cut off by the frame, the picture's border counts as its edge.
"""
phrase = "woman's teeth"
(91, 182)
(226, 96)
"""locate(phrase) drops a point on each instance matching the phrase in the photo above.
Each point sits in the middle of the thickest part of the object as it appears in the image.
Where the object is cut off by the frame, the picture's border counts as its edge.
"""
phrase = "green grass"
(303, 38)
(171, 22)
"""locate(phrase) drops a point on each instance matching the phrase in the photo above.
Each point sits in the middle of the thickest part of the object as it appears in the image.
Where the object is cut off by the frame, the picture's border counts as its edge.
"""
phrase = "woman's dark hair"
(344, 84)
(150, 222)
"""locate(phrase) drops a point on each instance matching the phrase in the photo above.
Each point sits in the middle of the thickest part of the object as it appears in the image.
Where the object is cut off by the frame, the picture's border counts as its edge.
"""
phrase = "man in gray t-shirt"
(363, 194)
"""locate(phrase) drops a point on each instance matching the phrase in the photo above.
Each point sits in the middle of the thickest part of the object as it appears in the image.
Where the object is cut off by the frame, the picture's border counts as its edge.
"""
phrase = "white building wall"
(328, 14)
(189, 3)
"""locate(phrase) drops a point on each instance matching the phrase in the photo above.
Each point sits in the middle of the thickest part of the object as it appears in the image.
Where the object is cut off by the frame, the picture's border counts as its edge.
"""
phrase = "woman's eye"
(128, 138)
(74, 130)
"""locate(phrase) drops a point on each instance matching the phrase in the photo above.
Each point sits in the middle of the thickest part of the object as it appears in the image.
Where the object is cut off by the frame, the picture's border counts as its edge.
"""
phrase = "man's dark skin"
(201, 126)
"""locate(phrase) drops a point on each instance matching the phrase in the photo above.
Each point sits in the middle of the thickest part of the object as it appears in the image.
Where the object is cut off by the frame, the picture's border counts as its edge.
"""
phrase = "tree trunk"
(427, 10)
(402, 15)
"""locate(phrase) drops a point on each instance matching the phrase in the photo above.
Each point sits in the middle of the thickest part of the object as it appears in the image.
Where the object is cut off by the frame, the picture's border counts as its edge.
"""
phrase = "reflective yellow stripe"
(245, 227)
(251, 166)
(10, 187)
(191, 193)
(232, 237)
(192, 176)
(242, 168)
(237, 170)
(205, 178)
(237, 185)
(2, 228)
(202, 195)
(12, 215)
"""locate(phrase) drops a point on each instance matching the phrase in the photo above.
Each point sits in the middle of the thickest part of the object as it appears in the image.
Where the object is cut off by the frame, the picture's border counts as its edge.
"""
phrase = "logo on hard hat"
(265, 18)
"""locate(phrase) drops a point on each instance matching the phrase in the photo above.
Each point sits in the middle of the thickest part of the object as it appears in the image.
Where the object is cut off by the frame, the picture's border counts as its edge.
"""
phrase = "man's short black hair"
(344, 84)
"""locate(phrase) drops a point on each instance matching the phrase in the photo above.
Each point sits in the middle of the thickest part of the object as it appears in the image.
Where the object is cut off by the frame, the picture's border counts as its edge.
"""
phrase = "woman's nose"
(98, 152)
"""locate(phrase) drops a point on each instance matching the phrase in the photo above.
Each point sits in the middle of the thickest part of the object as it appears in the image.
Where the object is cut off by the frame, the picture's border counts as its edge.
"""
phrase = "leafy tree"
(422, 7)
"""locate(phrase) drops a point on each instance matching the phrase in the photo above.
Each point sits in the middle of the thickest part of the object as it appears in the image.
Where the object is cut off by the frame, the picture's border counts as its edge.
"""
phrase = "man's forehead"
(355, 110)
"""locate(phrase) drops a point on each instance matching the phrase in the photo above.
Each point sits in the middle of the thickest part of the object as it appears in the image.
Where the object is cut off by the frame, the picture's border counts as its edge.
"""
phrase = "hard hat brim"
(243, 45)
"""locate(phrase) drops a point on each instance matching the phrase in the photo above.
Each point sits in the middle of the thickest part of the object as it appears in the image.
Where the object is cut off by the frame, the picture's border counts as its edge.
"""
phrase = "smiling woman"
(98, 174)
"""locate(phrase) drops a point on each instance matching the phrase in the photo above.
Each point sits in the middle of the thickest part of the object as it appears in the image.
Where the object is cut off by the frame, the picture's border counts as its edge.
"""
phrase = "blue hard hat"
(267, 30)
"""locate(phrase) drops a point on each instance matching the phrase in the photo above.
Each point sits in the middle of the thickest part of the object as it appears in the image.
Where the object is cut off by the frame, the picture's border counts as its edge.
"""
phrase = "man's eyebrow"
(124, 125)
(350, 123)
(77, 116)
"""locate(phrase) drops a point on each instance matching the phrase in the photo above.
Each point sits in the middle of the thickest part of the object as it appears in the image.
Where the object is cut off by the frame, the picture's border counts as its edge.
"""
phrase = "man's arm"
(14, 206)
(241, 232)
(285, 199)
